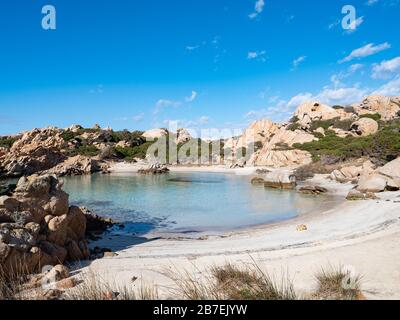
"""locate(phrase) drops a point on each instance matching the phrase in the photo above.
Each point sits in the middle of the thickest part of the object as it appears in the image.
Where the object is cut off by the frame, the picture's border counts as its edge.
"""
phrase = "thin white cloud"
(371, 2)
(392, 88)
(192, 48)
(386, 68)
(163, 103)
(257, 55)
(258, 8)
(299, 99)
(296, 62)
(192, 97)
(365, 51)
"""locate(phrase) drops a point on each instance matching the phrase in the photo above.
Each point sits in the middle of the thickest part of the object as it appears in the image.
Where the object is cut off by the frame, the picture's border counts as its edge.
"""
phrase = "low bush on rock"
(7, 142)
(375, 116)
(382, 147)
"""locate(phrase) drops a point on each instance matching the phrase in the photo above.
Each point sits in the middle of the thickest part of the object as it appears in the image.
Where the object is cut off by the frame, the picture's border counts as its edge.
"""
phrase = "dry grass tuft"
(232, 283)
(94, 288)
(338, 284)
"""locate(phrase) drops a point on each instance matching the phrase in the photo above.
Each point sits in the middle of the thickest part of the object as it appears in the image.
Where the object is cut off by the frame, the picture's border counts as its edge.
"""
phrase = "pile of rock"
(280, 179)
(76, 166)
(386, 178)
(313, 190)
(155, 169)
(36, 150)
(38, 227)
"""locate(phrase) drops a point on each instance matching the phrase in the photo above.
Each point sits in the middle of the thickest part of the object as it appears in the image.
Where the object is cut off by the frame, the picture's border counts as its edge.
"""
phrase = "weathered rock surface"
(314, 111)
(313, 190)
(76, 166)
(387, 107)
(182, 136)
(278, 151)
(355, 195)
(155, 134)
(364, 127)
(154, 169)
(352, 173)
(38, 227)
(280, 179)
(36, 150)
(386, 178)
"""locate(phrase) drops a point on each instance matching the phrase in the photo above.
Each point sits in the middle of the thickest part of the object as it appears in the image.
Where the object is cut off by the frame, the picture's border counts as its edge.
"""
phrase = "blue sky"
(220, 64)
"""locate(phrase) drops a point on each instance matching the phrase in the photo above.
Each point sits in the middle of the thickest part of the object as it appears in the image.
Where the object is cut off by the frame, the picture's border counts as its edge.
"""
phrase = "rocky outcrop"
(387, 107)
(386, 178)
(36, 150)
(311, 111)
(278, 151)
(313, 190)
(154, 169)
(355, 195)
(76, 166)
(38, 227)
(155, 134)
(364, 127)
(352, 173)
(280, 179)
(182, 136)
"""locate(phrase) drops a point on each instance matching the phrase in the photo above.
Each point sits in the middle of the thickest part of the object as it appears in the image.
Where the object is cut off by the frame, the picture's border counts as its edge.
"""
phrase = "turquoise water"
(186, 202)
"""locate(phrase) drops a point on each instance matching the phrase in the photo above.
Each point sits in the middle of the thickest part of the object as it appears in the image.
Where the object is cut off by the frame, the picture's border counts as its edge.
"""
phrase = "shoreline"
(341, 235)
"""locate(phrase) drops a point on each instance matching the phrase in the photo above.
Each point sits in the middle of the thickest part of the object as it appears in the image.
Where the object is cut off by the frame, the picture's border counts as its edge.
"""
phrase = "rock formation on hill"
(38, 227)
(76, 150)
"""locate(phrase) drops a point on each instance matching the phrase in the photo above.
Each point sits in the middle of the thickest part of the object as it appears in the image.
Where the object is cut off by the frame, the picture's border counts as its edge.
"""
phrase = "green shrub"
(325, 124)
(382, 146)
(338, 107)
(343, 124)
(87, 151)
(129, 153)
(7, 142)
(69, 135)
(375, 116)
(293, 126)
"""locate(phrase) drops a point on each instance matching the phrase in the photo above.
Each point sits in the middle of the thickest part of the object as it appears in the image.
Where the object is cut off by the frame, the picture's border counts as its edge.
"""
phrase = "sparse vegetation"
(383, 146)
(232, 283)
(84, 150)
(335, 123)
(94, 288)
(130, 153)
(375, 116)
(293, 126)
(7, 142)
(338, 284)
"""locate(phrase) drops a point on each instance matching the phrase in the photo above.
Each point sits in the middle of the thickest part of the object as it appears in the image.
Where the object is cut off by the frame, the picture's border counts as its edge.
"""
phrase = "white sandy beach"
(361, 235)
